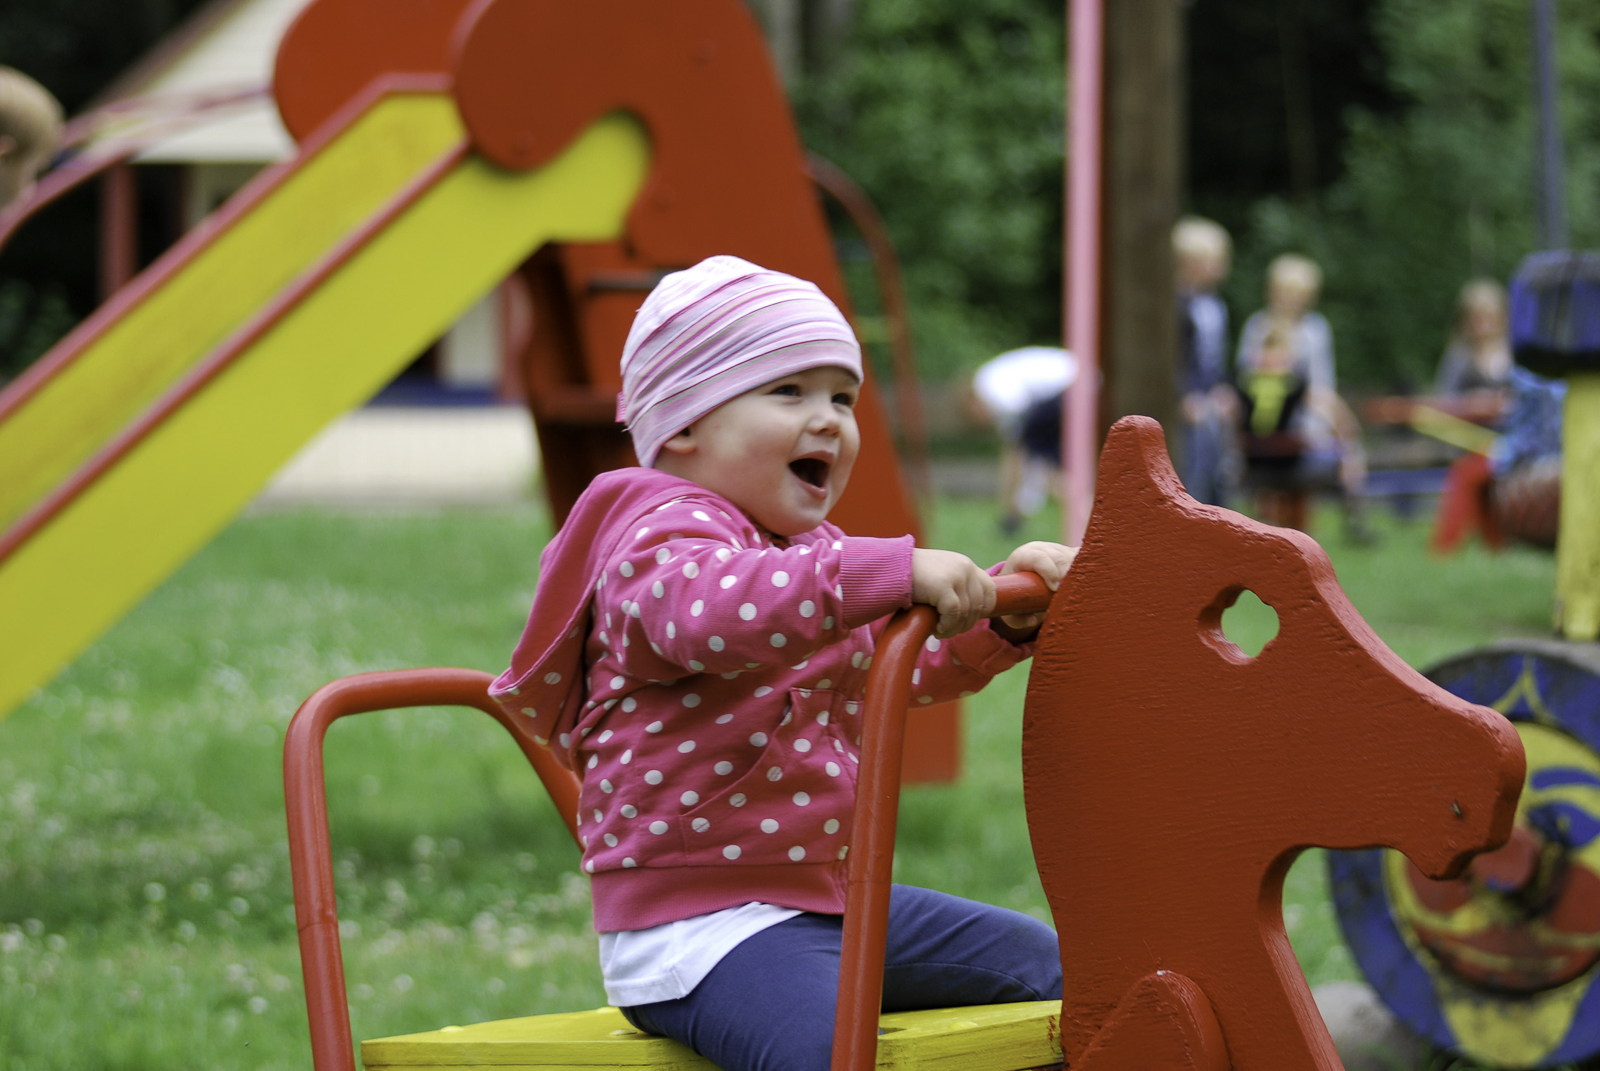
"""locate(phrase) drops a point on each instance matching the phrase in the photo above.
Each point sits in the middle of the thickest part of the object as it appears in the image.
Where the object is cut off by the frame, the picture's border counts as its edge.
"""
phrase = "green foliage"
(30, 323)
(949, 114)
(1443, 189)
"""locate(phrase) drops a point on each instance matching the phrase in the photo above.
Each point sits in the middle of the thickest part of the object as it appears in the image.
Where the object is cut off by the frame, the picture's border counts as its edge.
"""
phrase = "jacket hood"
(544, 683)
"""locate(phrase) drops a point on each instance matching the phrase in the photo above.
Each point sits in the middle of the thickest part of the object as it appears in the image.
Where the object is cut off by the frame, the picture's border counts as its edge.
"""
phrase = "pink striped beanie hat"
(715, 331)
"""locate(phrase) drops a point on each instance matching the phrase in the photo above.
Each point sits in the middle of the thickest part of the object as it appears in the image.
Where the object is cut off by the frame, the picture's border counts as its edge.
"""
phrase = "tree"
(949, 113)
(1442, 189)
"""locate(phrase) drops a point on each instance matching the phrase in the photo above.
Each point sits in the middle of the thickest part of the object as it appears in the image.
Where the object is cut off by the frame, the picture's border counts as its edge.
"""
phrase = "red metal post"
(119, 228)
(310, 854)
(1085, 112)
(866, 913)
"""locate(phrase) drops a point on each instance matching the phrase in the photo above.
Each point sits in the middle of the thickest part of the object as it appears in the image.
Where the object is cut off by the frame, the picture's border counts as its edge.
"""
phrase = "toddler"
(697, 653)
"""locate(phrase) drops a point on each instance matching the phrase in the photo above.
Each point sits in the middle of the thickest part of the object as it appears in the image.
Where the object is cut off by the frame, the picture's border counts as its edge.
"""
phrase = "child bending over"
(697, 653)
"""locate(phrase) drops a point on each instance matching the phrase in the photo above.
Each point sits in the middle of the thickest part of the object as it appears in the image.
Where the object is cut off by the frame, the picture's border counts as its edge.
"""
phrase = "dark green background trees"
(1391, 139)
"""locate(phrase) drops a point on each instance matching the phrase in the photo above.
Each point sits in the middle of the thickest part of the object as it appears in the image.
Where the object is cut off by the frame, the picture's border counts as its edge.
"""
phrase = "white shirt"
(666, 962)
(1011, 382)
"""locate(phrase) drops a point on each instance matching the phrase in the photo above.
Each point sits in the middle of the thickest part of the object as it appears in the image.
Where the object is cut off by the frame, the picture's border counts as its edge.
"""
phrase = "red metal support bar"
(1086, 116)
(306, 802)
(836, 183)
(119, 228)
(866, 915)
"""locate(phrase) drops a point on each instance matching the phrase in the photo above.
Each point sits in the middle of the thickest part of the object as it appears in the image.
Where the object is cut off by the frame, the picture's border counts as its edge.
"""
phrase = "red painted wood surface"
(1163, 1023)
(333, 51)
(728, 175)
(1171, 780)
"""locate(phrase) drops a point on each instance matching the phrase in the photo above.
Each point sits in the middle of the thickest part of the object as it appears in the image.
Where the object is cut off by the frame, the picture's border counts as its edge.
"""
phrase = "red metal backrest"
(306, 800)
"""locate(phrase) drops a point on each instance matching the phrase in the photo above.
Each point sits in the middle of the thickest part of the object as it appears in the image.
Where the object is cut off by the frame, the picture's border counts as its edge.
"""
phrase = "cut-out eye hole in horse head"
(1172, 779)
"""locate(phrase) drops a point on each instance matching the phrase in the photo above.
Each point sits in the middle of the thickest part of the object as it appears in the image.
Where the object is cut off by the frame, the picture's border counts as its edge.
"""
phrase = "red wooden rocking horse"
(1171, 779)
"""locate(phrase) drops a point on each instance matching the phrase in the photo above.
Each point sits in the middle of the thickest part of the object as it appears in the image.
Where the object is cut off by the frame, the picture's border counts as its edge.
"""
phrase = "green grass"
(145, 909)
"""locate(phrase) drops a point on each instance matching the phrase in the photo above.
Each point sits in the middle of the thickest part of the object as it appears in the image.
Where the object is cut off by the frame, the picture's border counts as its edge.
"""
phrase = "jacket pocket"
(793, 805)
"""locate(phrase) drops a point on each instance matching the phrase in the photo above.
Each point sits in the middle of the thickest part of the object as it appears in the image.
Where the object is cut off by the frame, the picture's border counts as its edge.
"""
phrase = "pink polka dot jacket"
(705, 679)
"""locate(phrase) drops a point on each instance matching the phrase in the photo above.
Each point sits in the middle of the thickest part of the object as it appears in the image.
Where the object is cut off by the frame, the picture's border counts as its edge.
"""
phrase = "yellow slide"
(328, 284)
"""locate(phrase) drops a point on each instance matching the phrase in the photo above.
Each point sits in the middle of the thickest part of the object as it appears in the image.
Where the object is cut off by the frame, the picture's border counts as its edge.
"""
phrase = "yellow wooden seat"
(993, 1037)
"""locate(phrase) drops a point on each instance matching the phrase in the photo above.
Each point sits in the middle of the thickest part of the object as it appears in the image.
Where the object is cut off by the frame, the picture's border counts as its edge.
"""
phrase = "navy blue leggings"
(769, 1004)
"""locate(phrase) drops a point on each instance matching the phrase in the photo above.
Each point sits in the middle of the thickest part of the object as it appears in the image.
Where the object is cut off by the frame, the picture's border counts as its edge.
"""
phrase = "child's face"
(1201, 271)
(1290, 299)
(1485, 324)
(782, 452)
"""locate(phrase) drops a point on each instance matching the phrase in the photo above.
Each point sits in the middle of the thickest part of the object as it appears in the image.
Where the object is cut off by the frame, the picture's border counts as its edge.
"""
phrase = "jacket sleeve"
(688, 592)
(958, 667)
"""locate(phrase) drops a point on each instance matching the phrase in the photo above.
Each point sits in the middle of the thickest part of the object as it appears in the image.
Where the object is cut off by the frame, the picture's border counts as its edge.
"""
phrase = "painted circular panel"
(1501, 963)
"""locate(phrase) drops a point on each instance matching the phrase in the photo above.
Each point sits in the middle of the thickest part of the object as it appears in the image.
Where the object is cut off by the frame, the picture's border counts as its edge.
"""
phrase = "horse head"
(1171, 779)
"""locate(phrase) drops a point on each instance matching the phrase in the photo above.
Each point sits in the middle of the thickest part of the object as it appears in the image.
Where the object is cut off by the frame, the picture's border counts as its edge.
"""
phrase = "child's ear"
(682, 443)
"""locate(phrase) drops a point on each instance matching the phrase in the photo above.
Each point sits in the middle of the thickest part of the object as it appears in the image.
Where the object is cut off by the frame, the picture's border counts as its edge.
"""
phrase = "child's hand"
(1051, 561)
(954, 585)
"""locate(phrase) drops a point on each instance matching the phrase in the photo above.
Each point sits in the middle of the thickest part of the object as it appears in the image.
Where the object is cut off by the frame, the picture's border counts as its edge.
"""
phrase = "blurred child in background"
(1478, 357)
(1005, 390)
(1202, 251)
(1332, 454)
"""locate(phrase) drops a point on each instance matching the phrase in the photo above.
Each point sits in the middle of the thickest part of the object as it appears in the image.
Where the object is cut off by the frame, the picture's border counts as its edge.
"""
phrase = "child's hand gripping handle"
(866, 917)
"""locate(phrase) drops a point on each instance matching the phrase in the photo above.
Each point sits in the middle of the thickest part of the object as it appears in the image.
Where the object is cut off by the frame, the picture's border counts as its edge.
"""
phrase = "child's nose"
(824, 417)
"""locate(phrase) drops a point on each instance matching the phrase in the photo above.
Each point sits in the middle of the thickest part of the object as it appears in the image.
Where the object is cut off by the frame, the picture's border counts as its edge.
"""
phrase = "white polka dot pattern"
(689, 603)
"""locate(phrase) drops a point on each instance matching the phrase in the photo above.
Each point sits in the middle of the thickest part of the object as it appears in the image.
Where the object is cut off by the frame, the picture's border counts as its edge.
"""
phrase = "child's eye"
(848, 400)
(788, 390)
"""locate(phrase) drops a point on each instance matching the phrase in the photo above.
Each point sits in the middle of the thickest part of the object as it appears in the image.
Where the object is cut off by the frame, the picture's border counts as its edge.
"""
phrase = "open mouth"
(812, 470)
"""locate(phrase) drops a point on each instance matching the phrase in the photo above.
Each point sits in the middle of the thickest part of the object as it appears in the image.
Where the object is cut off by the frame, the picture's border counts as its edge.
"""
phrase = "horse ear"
(1135, 468)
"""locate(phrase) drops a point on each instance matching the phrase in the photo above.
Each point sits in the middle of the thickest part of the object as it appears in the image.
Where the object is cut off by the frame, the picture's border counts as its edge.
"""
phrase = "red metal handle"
(866, 914)
(306, 801)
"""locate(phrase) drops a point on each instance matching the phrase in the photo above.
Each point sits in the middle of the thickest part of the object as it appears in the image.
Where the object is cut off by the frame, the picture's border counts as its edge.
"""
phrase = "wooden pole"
(1139, 337)
(1123, 176)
